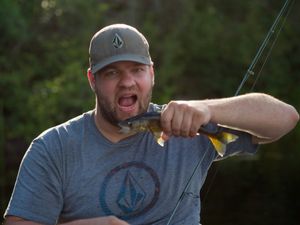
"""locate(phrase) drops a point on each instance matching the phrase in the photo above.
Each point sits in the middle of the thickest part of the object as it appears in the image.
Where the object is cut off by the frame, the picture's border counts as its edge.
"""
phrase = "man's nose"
(127, 80)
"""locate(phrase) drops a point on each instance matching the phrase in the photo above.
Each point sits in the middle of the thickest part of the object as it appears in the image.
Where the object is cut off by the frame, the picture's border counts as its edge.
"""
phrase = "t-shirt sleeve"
(38, 194)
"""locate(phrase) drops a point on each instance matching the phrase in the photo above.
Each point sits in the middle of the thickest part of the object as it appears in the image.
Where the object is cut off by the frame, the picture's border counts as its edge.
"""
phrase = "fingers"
(106, 220)
(115, 221)
(110, 220)
(166, 119)
(183, 118)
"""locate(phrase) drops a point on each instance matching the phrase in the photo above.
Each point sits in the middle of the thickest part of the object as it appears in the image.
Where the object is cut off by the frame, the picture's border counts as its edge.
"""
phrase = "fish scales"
(150, 121)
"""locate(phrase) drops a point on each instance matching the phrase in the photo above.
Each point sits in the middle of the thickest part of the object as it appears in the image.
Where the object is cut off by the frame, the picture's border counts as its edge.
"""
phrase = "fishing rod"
(285, 9)
(250, 71)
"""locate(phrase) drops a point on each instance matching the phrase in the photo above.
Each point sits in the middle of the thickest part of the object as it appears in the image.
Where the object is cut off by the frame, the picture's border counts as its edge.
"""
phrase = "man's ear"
(91, 79)
(152, 74)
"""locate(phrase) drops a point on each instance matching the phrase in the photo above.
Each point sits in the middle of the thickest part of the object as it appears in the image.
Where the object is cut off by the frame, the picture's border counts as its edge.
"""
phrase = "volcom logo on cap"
(117, 41)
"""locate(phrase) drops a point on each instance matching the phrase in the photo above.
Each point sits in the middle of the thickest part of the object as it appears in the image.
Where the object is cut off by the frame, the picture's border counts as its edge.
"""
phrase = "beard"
(109, 112)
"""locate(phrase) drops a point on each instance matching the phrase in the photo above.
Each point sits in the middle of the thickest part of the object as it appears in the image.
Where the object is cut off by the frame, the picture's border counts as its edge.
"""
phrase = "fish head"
(133, 126)
(142, 122)
(149, 121)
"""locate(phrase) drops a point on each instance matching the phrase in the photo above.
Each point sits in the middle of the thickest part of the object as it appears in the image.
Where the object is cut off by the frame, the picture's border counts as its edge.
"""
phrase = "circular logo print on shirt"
(129, 190)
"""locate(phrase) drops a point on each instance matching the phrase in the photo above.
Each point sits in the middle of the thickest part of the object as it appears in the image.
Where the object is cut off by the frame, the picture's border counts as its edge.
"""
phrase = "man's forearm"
(107, 220)
(260, 114)
(13, 220)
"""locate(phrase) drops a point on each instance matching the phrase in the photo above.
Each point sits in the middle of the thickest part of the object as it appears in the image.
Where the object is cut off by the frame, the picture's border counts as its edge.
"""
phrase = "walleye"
(150, 121)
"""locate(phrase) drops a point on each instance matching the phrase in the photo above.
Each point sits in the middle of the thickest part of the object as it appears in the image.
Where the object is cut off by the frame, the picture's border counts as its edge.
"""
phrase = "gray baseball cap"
(118, 42)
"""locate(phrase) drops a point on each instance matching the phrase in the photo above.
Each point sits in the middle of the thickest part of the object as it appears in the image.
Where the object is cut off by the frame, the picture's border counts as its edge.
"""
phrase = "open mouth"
(127, 102)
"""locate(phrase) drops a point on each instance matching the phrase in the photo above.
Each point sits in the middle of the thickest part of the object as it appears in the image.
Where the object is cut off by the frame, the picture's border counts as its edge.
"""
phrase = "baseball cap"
(118, 42)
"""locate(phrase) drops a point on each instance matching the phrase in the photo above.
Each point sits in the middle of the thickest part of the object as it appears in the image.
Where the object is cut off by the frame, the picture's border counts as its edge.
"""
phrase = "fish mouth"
(127, 103)
(124, 129)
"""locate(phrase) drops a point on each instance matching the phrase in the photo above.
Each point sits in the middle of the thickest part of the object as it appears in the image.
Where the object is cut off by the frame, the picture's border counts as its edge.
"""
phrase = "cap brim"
(123, 57)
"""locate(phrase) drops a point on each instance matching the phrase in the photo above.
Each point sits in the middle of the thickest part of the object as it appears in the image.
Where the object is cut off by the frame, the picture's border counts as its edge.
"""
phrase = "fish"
(150, 121)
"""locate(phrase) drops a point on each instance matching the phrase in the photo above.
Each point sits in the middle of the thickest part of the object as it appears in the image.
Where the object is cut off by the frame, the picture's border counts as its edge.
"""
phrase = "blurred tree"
(205, 46)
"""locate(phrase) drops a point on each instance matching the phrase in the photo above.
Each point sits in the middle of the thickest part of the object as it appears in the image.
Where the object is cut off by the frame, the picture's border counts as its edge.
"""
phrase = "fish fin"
(160, 141)
(227, 138)
(221, 141)
(157, 133)
(218, 145)
(158, 138)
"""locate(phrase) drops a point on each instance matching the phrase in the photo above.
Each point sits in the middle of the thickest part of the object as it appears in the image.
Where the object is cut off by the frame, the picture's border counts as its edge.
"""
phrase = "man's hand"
(107, 220)
(184, 118)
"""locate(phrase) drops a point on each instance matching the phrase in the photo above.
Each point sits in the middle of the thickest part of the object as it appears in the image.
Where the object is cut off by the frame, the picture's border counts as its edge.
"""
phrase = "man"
(86, 172)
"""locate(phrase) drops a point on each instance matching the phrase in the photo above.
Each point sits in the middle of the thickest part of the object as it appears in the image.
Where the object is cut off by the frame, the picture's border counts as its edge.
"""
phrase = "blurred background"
(201, 49)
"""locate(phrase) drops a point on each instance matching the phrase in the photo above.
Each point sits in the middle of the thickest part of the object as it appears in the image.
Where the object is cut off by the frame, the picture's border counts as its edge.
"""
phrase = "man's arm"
(261, 115)
(107, 220)
(14, 220)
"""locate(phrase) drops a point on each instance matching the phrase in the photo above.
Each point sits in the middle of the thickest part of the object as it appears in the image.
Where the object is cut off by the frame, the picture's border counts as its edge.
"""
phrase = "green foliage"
(63, 97)
(200, 49)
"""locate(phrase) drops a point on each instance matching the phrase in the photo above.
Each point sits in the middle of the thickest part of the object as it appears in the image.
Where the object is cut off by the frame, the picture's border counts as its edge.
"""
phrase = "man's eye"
(111, 73)
(138, 69)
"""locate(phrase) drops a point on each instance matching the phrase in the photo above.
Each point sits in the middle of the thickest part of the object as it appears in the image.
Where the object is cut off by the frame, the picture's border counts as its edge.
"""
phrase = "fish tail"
(221, 141)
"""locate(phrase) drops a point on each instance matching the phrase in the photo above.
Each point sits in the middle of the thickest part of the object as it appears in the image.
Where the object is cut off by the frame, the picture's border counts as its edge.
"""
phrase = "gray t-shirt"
(72, 171)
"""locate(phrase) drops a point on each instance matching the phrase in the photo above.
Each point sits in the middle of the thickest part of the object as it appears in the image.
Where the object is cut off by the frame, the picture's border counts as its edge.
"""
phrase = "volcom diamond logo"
(117, 41)
(129, 190)
(132, 195)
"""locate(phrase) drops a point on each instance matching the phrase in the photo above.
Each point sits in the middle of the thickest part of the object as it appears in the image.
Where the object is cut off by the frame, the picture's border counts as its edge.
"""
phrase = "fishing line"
(273, 43)
(250, 71)
(187, 186)
(245, 78)
(286, 8)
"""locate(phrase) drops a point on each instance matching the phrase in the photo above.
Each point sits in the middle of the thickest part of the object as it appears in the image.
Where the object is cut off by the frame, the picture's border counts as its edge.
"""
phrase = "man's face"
(123, 90)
